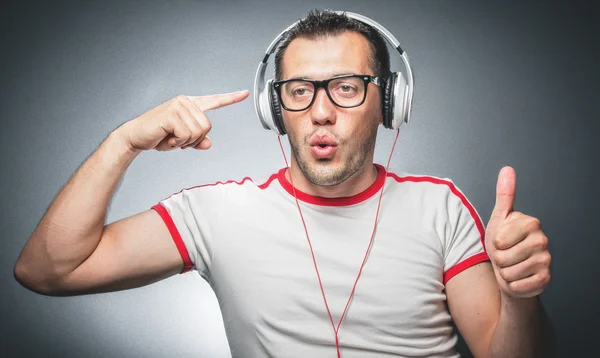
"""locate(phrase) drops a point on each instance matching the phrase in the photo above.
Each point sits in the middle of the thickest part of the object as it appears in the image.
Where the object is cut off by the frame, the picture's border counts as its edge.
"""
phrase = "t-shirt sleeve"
(189, 216)
(464, 246)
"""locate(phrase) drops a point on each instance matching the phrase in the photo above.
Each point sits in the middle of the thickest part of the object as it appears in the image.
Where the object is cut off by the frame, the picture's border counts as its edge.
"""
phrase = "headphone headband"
(259, 80)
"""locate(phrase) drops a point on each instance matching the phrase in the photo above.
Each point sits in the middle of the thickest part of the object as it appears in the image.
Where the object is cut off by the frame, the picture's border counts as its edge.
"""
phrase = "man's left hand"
(516, 244)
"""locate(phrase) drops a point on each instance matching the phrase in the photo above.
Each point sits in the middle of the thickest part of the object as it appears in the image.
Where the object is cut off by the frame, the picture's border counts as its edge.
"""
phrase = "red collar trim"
(318, 200)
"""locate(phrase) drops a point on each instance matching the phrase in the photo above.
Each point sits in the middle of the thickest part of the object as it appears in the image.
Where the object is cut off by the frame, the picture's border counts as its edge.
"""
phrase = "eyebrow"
(330, 76)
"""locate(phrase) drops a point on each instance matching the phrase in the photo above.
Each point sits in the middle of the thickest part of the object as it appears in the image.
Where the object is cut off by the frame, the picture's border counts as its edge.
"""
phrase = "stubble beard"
(323, 172)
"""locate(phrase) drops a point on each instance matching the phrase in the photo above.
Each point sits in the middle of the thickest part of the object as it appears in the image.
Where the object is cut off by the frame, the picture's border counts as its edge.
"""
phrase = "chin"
(331, 171)
(325, 172)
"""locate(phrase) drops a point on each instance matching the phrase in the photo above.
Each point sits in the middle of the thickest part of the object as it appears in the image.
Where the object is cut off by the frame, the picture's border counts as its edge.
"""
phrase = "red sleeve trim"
(214, 184)
(268, 182)
(454, 191)
(164, 214)
(465, 264)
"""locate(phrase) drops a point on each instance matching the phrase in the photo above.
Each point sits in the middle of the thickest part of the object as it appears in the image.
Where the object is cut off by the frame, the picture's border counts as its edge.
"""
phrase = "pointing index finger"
(205, 103)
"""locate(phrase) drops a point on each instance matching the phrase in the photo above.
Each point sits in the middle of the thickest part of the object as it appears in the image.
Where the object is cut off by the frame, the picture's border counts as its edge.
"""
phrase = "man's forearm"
(73, 224)
(520, 329)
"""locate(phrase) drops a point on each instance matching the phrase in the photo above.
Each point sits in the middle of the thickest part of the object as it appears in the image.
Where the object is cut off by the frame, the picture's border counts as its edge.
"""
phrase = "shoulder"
(422, 182)
(428, 188)
(261, 181)
(439, 194)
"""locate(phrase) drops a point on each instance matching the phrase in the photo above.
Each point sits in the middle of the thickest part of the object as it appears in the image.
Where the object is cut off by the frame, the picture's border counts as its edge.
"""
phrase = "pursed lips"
(322, 140)
(323, 146)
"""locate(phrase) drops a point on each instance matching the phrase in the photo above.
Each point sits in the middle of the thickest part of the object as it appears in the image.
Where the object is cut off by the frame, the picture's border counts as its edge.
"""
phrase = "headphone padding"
(388, 100)
(276, 110)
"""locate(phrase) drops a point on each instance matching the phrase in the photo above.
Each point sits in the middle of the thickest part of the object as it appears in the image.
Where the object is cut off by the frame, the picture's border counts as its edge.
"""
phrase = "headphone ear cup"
(265, 109)
(276, 110)
(400, 105)
(388, 100)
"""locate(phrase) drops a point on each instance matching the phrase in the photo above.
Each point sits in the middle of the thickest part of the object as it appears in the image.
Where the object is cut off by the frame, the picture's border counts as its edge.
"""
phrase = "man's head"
(326, 44)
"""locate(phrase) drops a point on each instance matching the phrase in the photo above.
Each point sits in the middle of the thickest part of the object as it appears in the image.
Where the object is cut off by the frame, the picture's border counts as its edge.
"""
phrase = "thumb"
(505, 193)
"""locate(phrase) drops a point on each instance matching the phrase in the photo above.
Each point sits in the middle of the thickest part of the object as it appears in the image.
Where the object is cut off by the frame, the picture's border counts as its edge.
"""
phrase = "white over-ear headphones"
(396, 91)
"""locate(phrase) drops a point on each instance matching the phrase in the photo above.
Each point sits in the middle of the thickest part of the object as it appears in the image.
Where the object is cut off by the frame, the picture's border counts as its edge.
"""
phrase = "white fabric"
(248, 241)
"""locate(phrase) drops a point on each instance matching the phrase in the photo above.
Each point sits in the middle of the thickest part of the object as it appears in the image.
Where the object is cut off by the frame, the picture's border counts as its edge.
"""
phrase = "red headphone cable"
(336, 329)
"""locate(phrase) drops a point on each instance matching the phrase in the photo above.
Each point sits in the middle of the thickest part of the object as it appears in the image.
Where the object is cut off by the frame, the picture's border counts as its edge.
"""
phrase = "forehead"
(327, 56)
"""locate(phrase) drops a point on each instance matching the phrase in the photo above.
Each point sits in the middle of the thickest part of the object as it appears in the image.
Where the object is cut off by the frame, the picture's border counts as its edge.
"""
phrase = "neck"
(355, 184)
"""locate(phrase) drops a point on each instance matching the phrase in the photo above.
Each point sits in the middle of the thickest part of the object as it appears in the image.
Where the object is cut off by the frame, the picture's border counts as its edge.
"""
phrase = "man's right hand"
(72, 251)
(177, 123)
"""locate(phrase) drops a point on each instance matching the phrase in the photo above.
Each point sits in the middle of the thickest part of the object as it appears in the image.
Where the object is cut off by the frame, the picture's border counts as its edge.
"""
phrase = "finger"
(164, 145)
(512, 256)
(518, 229)
(205, 144)
(201, 118)
(505, 192)
(532, 285)
(206, 103)
(182, 105)
(195, 143)
(179, 132)
(525, 268)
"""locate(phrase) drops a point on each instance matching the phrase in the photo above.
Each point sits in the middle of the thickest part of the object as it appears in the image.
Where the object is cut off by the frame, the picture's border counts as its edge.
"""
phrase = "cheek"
(287, 122)
(367, 115)
(370, 115)
(374, 100)
(293, 125)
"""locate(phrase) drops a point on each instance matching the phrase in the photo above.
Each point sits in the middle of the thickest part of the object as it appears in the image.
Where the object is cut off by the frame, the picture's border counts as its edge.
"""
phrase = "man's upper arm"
(133, 252)
(474, 303)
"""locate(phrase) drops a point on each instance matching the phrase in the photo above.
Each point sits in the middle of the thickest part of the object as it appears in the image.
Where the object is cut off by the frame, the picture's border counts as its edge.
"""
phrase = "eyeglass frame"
(377, 81)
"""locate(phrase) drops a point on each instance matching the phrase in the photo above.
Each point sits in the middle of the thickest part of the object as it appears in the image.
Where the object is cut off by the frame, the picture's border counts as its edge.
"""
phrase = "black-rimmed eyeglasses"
(344, 91)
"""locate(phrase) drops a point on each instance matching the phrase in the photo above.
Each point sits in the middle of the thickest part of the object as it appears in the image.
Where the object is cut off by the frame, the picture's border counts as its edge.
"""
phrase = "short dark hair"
(321, 23)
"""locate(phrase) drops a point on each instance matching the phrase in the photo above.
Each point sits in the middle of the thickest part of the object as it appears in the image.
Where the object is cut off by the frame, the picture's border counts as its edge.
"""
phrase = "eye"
(346, 90)
(299, 91)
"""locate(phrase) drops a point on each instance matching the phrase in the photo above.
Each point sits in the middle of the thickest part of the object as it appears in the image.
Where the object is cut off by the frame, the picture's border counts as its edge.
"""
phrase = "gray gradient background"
(497, 83)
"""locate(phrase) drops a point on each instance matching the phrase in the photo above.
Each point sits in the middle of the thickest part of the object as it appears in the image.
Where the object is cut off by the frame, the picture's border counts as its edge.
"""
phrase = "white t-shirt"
(248, 241)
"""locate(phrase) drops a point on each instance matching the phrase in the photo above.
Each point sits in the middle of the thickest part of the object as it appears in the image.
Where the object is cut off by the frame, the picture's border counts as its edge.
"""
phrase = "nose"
(322, 110)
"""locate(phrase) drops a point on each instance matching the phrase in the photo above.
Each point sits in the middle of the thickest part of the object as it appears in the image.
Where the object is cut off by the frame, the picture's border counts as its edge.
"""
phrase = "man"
(287, 257)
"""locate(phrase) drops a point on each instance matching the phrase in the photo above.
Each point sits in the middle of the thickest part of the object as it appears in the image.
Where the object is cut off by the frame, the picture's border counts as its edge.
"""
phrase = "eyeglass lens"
(345, 92)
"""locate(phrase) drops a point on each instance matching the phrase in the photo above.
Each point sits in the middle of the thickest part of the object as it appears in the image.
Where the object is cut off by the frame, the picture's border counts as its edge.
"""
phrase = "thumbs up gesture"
(516, 244)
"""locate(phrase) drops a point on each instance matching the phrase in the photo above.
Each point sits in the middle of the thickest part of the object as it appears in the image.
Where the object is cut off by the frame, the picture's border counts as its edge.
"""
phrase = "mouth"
(323, 152)
(323, 146)
(322, 140)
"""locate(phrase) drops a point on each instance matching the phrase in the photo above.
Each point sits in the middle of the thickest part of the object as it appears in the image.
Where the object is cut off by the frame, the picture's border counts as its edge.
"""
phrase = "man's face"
(351, 132)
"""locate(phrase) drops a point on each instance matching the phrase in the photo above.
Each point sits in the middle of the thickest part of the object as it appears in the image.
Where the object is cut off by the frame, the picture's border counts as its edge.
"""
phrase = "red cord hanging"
(333, 326)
